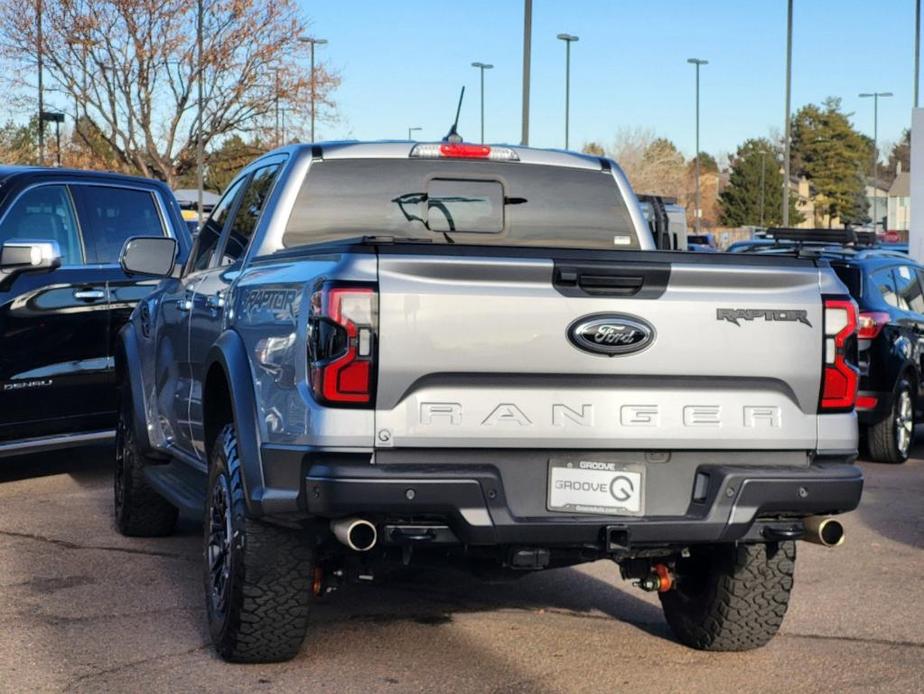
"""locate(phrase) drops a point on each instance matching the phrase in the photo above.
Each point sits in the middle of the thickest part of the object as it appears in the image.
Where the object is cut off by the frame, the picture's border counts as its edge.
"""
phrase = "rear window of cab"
(466, 202)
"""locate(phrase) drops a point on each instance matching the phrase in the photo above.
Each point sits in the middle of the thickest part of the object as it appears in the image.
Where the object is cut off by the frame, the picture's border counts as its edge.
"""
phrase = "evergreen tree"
(834, 157)
(754, 194)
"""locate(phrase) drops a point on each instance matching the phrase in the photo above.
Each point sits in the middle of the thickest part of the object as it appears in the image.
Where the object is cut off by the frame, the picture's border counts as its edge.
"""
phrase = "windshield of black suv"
(468, 202)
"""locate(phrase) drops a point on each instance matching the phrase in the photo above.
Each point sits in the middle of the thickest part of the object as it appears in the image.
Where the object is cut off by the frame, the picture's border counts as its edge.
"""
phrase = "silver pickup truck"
(473, 354)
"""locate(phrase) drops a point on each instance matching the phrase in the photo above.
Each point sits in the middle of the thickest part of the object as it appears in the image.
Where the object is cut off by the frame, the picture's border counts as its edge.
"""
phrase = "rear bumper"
(736, 503)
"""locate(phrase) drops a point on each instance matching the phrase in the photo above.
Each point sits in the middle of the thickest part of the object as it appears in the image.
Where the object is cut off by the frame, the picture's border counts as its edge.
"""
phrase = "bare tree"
(129, 68)
(652, 164)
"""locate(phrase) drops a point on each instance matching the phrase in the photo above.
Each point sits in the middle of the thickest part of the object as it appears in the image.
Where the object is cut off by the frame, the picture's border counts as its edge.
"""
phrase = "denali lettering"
(22, 385)
(733, 315)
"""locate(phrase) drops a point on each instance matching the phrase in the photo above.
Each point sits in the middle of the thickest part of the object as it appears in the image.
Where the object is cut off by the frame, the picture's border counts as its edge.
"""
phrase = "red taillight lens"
(341, 345)
(871, 324)
(464, 151)
(841, 376)
(867, 402)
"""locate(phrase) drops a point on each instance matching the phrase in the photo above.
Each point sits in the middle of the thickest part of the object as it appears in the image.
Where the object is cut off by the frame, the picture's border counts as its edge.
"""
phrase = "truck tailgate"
(477, 351)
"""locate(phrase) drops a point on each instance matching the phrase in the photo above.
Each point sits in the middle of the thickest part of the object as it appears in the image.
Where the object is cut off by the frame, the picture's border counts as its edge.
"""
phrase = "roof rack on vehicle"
(832, 237)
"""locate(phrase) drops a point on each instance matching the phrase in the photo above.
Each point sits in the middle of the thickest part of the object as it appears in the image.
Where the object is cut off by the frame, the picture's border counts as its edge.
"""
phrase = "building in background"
(899, 205)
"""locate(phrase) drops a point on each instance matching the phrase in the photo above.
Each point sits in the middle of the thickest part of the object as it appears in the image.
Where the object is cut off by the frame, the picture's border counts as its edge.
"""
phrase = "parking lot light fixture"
(875, 96)
(312, 41)
(411, 131)
(568, 39)
(697, 62)
(482, 67)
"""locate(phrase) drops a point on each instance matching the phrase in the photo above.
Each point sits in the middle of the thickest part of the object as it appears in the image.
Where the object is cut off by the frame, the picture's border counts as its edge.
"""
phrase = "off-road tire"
(730, 597)
(139, 510)
(259, 613)
(883, 436)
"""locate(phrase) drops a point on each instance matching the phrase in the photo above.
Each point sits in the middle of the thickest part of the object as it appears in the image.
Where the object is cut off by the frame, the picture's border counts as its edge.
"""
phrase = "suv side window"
(110, 215)
(210, 234)
(45, 213)
(248, 213)
(909, 289)
(885, 283)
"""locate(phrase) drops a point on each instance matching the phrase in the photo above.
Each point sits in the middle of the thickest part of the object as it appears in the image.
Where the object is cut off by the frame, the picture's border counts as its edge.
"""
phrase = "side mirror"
(29, 256)
(148, 255)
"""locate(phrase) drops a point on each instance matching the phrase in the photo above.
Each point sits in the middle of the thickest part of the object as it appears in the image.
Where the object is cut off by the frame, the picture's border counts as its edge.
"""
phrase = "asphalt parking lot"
(83, 609)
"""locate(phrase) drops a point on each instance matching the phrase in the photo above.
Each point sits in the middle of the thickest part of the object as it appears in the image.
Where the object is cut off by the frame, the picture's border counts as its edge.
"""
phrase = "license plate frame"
(624, 482)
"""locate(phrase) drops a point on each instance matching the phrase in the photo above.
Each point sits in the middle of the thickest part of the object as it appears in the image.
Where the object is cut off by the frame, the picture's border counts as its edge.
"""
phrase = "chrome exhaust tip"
(356, 533)
(824, 531)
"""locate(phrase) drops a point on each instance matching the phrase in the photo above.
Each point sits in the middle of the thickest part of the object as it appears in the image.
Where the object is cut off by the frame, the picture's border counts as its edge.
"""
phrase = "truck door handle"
(89, 295)
(603, 285)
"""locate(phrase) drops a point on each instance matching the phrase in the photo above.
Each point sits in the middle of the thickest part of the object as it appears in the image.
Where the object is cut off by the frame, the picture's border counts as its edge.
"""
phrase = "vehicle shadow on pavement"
(83, 464)
(888, 486)
(433, 595)
(400, 599)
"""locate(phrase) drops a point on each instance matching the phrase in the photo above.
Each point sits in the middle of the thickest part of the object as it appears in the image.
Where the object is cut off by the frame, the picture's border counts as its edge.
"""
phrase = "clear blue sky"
(403, 61)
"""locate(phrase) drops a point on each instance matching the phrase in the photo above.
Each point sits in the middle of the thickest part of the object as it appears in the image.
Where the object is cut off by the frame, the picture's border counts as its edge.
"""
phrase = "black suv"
(888, 287)
(64, 296)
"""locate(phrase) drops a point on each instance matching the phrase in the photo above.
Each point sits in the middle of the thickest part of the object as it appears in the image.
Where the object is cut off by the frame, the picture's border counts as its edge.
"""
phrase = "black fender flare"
(128, 362)
(230, 354)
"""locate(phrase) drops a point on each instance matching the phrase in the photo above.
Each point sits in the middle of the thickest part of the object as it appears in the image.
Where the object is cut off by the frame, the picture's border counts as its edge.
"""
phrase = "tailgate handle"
(610, 285)
(635, 280)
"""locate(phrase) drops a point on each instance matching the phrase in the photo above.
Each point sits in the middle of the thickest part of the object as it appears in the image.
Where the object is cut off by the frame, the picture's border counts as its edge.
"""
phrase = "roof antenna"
(453, 136)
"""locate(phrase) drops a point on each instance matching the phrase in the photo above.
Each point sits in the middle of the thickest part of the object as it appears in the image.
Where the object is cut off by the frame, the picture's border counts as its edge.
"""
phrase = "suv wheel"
(257, 575)
(139, 510)
(890, 439)
(730, 597)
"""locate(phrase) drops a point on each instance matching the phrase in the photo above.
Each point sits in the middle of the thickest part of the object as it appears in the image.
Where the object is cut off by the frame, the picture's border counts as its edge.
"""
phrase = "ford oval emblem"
(611, 334)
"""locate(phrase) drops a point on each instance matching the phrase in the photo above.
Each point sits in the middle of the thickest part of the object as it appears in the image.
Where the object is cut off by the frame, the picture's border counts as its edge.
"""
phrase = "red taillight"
(463, 151)
(341, 345)
(871, 324)
(867, 402)
(841, 376)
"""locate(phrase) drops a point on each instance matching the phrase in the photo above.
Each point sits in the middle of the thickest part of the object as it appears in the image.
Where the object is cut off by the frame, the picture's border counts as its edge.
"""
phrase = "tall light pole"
(568, 39)
(410, 131)
(200, 148)
(875, 97)
(314, 90)
(482, 67)
(527, 44)
(697, 62)
(41, 95)
(917, 49)
(788, 126)
(763, 178)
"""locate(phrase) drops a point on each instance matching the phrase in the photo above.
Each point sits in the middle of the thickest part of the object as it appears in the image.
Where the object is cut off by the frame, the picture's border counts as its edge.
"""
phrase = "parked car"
(667, 221)
(887, 286)
(702, 243)
(64, 297)
(749, 245)
(473, 354)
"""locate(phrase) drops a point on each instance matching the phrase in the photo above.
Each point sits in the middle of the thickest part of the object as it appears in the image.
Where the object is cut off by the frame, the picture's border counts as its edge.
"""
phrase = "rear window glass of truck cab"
(466, 202)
